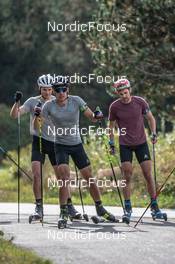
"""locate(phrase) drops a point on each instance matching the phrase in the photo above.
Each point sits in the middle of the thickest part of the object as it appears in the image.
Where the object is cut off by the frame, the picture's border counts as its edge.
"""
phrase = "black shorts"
(47, 148)
(76, 152)
(141, 151)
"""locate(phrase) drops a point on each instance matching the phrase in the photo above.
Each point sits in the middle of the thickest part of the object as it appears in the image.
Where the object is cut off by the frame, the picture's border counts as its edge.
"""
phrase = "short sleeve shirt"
(65, 119)
(29, 106)
(130, 118)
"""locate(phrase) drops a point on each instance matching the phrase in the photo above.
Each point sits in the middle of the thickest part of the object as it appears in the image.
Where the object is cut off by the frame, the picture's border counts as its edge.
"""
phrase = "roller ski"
(62, 221)
(127, 214)
(38, 214)
(103, 216)
(156, 212)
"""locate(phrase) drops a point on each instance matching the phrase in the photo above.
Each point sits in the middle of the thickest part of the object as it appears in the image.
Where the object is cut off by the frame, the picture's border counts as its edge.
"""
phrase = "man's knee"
(86, 173)
(127, 170)
(36, 170)
(63, 173)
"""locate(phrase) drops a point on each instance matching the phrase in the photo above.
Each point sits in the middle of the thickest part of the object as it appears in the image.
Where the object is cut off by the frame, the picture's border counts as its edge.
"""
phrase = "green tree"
(144, 52)
(9, 129)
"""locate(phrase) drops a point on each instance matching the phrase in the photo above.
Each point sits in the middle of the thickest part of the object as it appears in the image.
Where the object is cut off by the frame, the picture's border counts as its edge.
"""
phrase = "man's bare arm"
(112, 125)
(14, 111)
(90, 115)
(151, 122)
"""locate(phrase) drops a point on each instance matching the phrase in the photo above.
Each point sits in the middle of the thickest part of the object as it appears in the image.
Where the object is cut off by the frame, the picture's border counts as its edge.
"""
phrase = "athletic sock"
(153, 200)
(154, 205)
(63, 206)
(128, 201)
(98, 203)
(69, 201)
(38, 201)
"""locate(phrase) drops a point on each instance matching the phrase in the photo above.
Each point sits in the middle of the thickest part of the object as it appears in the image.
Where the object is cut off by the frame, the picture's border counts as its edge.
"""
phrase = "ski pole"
(154, 163)
(41, 167)
(80, 193)
(10, 158)
(19, 150)
(157, 194)
(41, 171)
(113, 172)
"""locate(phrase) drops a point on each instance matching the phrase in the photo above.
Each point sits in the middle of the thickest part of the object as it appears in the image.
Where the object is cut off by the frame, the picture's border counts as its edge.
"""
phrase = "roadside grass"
(140, 197)
(165, 159)
(11, 254)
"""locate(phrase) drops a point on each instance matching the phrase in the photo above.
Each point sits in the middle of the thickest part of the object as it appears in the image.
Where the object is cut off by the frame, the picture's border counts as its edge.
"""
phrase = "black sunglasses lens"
(60, 89)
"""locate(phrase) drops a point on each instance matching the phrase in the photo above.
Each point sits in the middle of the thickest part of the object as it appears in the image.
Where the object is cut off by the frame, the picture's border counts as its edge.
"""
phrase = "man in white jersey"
(31, 106)
(64, 113)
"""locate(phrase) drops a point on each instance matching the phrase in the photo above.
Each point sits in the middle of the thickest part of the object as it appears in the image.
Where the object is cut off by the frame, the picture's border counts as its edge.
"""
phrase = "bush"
(9, 129)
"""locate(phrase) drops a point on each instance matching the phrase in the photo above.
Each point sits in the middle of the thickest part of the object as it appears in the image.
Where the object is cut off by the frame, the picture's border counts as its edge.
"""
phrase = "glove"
(112, 147)
(98, 113)
(18, 95)
(153, 138)
(37, 109)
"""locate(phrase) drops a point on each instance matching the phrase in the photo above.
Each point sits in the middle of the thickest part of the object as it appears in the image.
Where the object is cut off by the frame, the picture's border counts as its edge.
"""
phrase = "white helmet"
(45, 80)
(120, 85)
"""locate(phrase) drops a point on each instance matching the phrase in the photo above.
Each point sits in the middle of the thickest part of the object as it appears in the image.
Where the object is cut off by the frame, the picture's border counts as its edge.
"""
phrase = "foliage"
(144, 52)
(9, 129)
(28, 49)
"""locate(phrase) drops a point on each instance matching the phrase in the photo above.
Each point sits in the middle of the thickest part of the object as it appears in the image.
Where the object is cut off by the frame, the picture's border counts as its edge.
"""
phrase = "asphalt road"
(82, 242)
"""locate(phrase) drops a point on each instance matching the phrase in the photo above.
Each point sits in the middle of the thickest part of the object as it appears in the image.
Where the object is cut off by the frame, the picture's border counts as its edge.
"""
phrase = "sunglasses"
(60, 89)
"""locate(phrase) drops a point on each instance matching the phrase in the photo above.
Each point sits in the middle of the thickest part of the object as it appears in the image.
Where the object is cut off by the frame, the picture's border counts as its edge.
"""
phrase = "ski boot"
(62, 221)
(156, 212)
(38, 215)
(103, 215)
(127, 214)
(73, 213)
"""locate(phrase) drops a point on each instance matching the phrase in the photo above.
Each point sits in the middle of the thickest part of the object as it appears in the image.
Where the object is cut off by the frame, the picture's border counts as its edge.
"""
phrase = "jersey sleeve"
(145, 107)
(82, 104)
(111, 116)
(27, 106)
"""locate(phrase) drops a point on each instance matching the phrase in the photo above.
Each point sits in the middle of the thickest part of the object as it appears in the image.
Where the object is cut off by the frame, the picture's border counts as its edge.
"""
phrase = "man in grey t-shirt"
(33, 106)
(64, 112)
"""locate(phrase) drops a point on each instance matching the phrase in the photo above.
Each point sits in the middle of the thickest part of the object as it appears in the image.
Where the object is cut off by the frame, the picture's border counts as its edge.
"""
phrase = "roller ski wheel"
(35, 218)
(126, 219)
(86, 217)
(62, 223)
(159, 216)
